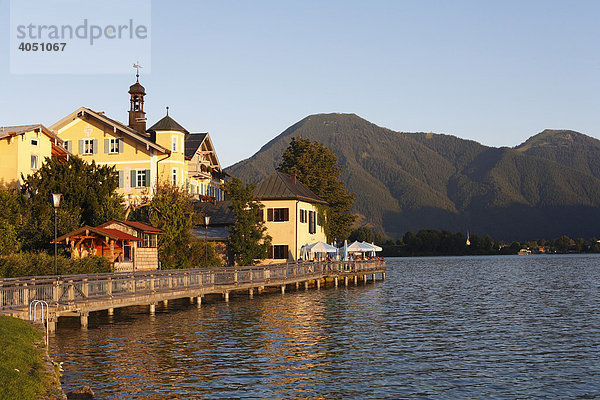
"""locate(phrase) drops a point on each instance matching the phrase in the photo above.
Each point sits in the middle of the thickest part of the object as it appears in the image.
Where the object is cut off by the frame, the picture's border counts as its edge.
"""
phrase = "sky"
(496, 72)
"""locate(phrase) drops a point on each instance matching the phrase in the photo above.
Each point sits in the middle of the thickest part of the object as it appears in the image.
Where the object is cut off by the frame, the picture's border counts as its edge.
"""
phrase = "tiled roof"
(117, 234)
(192, 142)
(219, 212)
(84, 112)
(212, 232)
(20, 129)
(111, 233)
(280, 186)
(167, 124)
(135, 225)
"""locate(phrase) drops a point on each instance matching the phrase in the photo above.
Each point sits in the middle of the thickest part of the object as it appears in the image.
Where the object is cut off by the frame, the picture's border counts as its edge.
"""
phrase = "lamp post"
(56, 203)
(206, 222)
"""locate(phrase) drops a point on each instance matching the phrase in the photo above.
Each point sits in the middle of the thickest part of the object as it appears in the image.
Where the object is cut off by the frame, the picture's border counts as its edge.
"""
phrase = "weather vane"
(137, 67)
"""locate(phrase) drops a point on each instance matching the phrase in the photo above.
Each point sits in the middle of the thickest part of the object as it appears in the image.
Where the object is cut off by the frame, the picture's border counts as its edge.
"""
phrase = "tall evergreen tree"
(248, 238)
(317, 167)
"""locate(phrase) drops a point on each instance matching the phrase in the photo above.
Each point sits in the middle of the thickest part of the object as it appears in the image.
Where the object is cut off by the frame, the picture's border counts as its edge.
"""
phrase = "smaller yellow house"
(24, 148)
(292, 215)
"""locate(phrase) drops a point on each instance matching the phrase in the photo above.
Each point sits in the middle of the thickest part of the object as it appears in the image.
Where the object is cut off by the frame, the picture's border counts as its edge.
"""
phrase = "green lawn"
(23, 373)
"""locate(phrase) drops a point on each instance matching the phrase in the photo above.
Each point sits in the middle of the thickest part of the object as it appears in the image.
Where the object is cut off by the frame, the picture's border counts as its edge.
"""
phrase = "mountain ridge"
(547, 186)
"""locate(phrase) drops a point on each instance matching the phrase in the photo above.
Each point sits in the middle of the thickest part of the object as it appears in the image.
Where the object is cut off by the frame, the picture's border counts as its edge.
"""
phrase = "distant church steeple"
(137, 116)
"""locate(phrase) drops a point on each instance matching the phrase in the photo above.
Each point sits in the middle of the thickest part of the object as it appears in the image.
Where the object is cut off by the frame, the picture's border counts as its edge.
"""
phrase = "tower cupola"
(137, 116)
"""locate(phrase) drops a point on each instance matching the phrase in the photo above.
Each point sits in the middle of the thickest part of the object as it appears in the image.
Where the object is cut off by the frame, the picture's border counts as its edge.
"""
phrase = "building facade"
(142, 157)
(293, 215)
(24, 148)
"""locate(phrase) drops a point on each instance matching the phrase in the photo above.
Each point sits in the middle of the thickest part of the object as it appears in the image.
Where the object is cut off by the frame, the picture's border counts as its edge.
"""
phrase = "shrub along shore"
(42, 264)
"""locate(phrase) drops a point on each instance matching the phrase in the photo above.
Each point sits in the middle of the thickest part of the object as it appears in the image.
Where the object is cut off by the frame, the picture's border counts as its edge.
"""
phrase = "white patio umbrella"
(358, 247)
(320, 248)
(373, 247)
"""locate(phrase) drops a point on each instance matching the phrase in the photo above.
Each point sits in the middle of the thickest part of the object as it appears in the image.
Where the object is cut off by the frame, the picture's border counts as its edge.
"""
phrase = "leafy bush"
(42, 264)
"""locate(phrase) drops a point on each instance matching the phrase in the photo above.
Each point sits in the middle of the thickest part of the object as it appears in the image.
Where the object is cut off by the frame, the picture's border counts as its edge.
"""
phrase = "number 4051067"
(43, 46)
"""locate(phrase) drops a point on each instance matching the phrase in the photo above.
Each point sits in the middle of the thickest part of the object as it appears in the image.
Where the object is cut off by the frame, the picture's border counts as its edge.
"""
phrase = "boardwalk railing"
(19, 292)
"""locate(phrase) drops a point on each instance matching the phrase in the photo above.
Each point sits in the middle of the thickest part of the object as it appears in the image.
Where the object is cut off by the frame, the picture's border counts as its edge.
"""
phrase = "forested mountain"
(543, 188)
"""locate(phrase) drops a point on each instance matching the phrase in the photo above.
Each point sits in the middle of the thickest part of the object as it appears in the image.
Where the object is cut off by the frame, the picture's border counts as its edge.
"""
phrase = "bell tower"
(137, 116)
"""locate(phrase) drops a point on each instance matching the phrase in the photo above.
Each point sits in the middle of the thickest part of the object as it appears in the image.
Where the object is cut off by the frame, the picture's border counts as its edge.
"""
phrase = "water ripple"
(478, 327)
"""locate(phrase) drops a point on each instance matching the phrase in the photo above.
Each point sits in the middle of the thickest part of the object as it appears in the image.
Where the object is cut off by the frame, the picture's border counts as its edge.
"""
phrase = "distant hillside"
(546, 187)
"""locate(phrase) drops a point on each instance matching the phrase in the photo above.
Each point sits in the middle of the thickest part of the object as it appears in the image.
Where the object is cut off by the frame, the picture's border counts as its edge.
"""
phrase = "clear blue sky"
(493, 71)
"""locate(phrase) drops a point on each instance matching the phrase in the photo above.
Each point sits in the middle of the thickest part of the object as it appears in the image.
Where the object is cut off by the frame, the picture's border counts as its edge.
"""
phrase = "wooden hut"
(128, 245)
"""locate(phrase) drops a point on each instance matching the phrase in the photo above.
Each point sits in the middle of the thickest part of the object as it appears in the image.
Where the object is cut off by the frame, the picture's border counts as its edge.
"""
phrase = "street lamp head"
(56, 197)
(206, 220)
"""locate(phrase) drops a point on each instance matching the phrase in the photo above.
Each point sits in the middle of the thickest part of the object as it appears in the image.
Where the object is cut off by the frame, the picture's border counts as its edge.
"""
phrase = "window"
(278, 252)
(302, 216)
(88, 146)
(174, 176)
(34, 142)
(174, 143)
(113, 146)
(312, 222)
(34, 162)
(141, 178)
(148, 240)
(278, 214)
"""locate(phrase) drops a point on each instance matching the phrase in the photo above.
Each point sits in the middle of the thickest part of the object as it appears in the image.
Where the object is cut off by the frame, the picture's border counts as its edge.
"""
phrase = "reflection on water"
(478, 327)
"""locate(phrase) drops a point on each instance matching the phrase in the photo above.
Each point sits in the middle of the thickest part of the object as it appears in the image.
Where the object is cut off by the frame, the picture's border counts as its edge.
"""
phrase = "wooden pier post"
(52, 325)
(84, 320)
(192, 300)
(318, 282)
(346, 281)
(111, 311)
(336, 281)
(355, 280)
(165, 303)
(297, 285)
(282, 289)
(199, 301)
(305, 285)
(251, 293)
(152, 308)
(226, 296)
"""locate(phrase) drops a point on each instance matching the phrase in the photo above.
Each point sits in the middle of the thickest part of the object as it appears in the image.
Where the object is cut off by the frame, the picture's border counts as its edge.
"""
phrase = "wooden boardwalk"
(78, 295)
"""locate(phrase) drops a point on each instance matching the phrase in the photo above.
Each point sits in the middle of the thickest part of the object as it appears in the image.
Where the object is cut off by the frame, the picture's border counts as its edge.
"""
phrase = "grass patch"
(23, 373)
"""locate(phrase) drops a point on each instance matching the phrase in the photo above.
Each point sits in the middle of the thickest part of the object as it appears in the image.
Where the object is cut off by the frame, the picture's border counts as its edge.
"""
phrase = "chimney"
(293, 178)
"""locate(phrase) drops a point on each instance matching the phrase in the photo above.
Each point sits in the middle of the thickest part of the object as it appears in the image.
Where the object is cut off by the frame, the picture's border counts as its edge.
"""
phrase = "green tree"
(317, 167)
(562, 243)
(248, 238)
(11, 220)
(171, 209)
(89, 198)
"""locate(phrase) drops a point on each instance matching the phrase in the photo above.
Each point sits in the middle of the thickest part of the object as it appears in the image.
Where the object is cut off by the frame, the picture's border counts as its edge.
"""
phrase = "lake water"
(466, 327)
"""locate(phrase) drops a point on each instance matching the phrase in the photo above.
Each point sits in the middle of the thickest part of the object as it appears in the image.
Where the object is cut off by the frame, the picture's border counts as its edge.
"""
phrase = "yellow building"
(292, 215)
(24, 148)
(143, 158)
